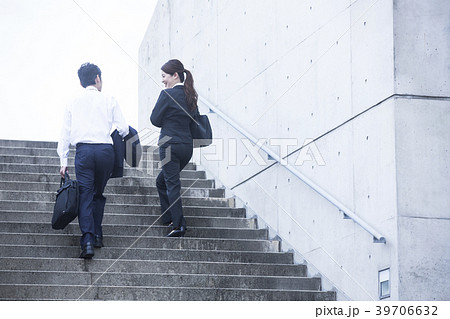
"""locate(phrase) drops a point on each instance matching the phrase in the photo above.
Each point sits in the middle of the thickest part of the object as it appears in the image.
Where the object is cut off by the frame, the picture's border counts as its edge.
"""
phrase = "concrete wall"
(328, 71)
(422, 70)
(423, 185)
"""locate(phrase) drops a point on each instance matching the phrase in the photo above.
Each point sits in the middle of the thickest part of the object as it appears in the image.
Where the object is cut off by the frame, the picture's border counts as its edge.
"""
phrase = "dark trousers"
(93, 166)
(168, 182)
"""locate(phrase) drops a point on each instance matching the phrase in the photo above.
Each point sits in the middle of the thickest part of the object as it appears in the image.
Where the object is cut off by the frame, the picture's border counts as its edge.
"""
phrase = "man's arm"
(64, 142)
(119, 120)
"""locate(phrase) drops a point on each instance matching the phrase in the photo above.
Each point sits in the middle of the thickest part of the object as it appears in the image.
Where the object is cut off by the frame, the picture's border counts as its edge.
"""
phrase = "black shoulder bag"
(201, 130)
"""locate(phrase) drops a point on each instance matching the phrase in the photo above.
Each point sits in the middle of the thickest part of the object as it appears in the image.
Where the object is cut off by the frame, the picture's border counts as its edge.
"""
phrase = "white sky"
(42, 45)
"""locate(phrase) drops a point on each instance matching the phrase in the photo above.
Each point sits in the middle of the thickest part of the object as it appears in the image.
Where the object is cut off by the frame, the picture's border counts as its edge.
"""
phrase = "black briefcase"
(201, 130)
(66, 204)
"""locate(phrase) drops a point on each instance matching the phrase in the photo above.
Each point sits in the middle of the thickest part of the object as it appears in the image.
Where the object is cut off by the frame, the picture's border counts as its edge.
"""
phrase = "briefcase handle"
(63, 180)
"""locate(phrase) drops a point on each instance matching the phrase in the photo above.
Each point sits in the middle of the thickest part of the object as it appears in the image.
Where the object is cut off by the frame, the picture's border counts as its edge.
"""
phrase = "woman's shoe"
(179, 232)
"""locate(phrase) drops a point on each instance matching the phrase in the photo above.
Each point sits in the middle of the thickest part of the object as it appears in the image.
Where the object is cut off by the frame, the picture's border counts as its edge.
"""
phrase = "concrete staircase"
(223, 256)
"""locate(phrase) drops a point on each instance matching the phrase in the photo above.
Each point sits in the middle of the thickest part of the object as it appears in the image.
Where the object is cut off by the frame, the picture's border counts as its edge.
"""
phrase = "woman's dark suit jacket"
(172, 114)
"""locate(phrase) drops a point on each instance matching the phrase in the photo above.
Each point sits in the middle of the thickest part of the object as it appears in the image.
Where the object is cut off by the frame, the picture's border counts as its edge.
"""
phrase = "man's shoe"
(98, 241)
(179, 232)
(87, 251)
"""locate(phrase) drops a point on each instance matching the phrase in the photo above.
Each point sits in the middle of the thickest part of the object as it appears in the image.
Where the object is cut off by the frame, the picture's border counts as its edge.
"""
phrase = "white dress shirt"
(90, 119)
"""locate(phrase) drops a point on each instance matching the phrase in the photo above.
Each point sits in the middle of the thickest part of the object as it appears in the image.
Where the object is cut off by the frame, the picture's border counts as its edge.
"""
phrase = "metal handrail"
(377, 237)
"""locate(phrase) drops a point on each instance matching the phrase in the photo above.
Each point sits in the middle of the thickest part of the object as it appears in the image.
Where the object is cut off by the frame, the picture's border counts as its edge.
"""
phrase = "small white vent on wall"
(384, 284)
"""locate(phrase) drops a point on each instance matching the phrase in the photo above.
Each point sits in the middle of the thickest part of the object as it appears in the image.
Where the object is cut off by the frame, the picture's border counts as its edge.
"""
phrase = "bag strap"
(64, 179)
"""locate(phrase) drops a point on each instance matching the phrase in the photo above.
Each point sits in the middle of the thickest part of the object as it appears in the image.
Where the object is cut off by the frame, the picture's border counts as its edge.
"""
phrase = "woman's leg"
(163, 198)
(180, 156)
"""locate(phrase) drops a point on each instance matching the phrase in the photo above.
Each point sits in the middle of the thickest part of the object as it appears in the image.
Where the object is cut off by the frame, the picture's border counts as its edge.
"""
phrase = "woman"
(173, 113)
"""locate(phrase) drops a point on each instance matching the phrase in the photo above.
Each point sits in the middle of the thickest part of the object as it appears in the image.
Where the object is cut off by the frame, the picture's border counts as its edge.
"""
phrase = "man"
(87, 123)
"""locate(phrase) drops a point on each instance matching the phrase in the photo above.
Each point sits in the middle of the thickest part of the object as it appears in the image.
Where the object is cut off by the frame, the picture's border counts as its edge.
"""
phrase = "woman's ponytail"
(175, 66)
(191, 94)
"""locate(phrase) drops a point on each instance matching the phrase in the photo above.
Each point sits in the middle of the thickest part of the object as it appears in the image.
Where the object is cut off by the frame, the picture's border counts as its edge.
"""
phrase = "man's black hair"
(87, 74)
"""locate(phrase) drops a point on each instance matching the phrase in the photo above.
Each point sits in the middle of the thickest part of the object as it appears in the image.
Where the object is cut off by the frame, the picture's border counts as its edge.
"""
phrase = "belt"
(81, 144)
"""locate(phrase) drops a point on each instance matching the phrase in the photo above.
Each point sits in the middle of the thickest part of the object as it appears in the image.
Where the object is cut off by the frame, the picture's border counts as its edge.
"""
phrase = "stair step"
(137, 230)
(54, 169)
(54, 177)
(28, 151)
(28, 144)
(117, 198)
(42, 150)
(151, 181)
(146, 190)
(110, 189)
(54, 160)
(148, 254)
(143, 242)
(136, 219)
(17, 206)
(59, 292)
(156, 266)
(158, 280)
